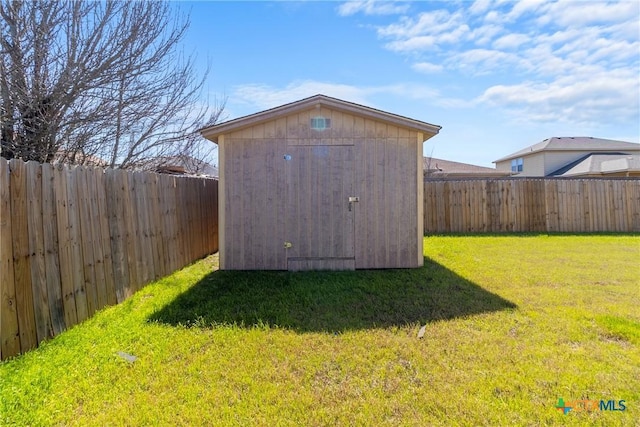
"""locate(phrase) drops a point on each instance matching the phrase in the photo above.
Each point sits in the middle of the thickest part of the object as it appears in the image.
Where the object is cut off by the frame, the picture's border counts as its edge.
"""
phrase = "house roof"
(212, 132)
(440, 168)
(600, 164)
(181, 165)
(573, 143)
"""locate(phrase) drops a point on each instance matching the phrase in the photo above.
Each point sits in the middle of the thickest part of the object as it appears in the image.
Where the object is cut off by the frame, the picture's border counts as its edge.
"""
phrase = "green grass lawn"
(513, 323)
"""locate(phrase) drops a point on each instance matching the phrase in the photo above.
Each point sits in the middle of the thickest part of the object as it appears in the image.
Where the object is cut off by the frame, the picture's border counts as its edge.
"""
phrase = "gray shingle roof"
(600, 164)
(582, 143)
(440, 167)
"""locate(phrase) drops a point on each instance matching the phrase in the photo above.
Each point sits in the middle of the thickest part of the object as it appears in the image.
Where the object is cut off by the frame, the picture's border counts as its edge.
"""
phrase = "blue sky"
(496, 75)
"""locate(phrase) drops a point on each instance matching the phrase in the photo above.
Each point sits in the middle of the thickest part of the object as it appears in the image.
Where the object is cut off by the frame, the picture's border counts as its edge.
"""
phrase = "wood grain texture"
(75, 239)
(532, 205)
(319, 222)
(267, 199)
(36, 219)
(64, 247)
(22, 256)
(115, 214)
(9, 334)
(103, 245)
(86, 239)
(51, 253)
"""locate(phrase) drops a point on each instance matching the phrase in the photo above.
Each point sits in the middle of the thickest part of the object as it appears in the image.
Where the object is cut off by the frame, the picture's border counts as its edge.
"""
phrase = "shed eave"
(211, 133)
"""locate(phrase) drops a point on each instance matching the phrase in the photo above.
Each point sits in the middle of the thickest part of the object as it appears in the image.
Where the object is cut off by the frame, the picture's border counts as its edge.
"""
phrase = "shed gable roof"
(212, 132)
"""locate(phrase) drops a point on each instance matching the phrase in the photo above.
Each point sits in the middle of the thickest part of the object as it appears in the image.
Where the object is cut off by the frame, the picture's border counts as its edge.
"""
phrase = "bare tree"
(428, 170)
(84, 80)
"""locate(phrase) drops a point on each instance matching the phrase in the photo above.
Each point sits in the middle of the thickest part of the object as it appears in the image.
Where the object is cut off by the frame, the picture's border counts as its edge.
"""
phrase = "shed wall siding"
(254, 185)
(386, 224)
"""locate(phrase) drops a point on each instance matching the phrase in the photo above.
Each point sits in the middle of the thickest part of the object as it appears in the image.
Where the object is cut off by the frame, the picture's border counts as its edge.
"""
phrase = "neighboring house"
(321, 184)
(574, 157)
(184, 165)
(446, 169)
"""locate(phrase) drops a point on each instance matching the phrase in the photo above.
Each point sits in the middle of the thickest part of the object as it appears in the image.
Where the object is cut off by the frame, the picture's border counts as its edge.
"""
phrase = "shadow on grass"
(322, 301)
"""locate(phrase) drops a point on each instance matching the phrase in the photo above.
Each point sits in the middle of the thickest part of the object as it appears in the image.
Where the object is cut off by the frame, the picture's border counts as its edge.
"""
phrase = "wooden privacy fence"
(532, 205)
(75, 239)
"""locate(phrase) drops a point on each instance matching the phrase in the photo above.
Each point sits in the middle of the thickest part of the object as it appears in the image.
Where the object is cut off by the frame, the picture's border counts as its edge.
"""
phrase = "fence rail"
(532, 205)
(76, 239)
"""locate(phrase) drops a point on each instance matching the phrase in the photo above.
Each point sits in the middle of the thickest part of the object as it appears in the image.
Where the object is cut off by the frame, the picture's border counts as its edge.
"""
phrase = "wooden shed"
(320, 184)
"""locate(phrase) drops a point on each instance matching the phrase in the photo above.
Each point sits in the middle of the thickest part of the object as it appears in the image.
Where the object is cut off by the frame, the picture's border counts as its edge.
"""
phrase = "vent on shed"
(320, 123)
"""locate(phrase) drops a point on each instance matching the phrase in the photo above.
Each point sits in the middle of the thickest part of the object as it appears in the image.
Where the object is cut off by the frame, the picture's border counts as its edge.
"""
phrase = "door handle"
(352, 200)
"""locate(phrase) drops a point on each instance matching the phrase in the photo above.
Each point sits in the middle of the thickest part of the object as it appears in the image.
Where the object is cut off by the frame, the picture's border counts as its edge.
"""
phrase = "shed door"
(320, 219)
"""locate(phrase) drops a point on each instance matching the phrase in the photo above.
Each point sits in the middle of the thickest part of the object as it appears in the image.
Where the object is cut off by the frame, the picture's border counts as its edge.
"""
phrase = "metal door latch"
(352, 200)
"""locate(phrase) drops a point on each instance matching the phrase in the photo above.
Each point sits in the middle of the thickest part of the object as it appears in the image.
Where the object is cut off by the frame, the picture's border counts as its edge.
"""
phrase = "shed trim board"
(222, 197)
(420, 201)
(296, 195)
(212, 132)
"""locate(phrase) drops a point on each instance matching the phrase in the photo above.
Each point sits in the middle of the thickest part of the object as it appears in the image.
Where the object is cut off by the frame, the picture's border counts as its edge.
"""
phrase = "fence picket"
(102, 218)
(75, 240)
(87, 239)
(21, 255)
(133, 257)
(51, 254)
(115, 213)
(97, 247)
(64, 247)
(9, 334)
(35, 219)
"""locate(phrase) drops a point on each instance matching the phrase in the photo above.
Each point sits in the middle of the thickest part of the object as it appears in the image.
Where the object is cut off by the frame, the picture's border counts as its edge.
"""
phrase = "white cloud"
(441, 24)
(610, 51)
(427, 67)
(255, 97)
(625, 30)
(578, 14)
(493, 17)
(510, 41)
(412, 44)
(575, 60)
(479, 6)
(484, 61)
(483, 35)
(524, 6)
(372, 7)
(431, 30)
(608, 94)
(264, 96)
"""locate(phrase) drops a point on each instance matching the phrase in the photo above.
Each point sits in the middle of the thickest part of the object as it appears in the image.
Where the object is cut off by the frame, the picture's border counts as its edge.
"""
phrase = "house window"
(320, 123)
(516, 165)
